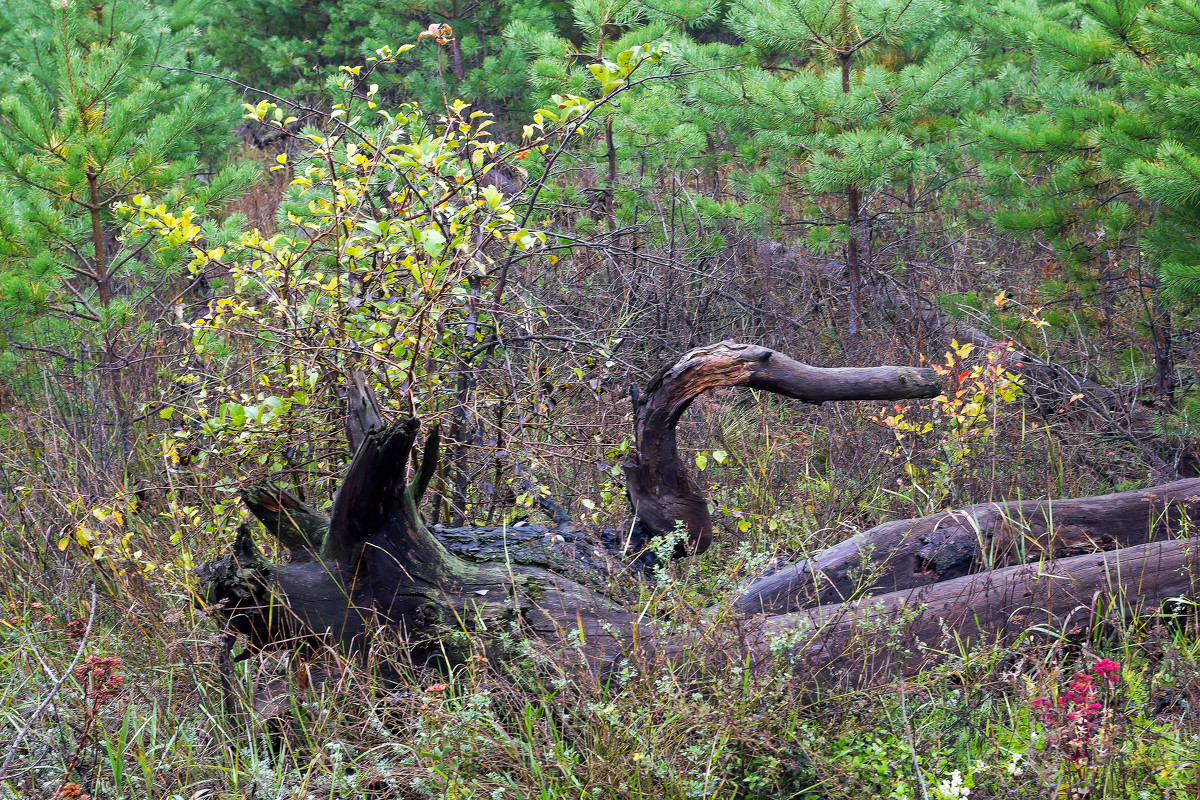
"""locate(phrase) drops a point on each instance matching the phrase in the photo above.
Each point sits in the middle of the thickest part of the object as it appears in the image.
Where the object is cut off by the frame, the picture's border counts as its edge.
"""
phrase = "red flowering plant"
(102, 681)
(101, 678)
(1080, 724)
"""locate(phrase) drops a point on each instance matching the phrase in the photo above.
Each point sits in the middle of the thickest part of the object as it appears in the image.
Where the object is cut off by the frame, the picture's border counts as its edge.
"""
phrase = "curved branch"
(661, 491)
(398, 575)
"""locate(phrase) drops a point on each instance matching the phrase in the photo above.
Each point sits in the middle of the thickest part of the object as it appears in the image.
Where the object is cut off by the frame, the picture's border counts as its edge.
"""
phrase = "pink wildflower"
(1108, 669)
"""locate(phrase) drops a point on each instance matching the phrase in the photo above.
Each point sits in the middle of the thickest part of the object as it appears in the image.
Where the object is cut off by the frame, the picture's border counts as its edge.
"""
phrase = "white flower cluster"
(952, 788)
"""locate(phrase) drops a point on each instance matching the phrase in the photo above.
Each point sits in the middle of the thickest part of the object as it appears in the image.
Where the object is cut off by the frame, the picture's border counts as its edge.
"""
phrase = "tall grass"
(95, 562)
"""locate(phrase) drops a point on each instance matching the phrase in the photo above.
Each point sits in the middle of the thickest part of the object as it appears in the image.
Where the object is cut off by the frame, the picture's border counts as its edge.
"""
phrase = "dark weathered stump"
(379, 567)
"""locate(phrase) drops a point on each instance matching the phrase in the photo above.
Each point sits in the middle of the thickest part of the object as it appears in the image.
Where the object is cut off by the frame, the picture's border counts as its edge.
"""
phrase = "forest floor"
(109, 672)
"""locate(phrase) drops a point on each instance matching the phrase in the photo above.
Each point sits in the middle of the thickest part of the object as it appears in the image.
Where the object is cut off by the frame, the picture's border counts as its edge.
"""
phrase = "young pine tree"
(1104, 163)
(287, 44)
(93, 116)
(640, 135)
(848, 103)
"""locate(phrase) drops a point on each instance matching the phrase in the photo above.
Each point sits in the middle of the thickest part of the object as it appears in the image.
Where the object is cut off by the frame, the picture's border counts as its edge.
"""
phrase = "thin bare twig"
(58, 683)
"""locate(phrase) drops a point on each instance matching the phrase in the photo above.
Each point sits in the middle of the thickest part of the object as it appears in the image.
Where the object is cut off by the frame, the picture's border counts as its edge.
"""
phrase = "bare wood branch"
(659, 487)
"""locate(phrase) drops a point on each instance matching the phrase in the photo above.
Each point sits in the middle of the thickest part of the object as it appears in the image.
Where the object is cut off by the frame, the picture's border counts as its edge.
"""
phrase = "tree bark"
(853, 214)
(563, 546)
(911, 553)
(661, 491)
(610, 179)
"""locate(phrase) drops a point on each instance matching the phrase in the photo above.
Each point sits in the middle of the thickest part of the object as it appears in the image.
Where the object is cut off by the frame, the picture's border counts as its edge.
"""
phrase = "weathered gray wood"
(864, 641)
(363, 413)
(909, 553)
(293, 523)
(375, 568)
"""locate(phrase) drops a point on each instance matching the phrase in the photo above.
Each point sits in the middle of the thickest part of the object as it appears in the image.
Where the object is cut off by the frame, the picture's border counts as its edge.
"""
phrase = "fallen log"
(864, 641)
(660, 489)
(380, 571)
(375, 568)
(906, 554)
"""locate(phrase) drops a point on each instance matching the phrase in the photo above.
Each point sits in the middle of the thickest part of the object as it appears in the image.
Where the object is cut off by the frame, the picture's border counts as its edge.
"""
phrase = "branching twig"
(58, 683)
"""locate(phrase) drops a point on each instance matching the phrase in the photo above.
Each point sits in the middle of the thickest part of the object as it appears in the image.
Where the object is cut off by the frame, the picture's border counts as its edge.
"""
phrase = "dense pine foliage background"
(503, 213)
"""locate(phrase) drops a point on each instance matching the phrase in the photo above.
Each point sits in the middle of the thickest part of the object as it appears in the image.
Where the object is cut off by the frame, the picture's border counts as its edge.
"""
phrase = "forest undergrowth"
(974, 189)
(145, 701)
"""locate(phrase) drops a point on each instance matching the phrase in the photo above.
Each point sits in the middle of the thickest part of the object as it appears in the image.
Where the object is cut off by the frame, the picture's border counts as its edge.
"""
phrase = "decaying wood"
(904, 554)
(378, 565)
(660, 489)
(864, 641)
(374, 566)
(379, 568)
(294, 524)
(563, 546)
(363, 413)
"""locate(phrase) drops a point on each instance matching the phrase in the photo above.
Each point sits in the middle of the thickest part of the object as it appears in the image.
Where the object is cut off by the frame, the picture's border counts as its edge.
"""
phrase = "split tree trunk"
(380, 568)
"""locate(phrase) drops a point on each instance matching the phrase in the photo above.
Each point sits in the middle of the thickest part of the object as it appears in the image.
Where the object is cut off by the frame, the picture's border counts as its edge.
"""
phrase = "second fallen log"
(909, 553)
